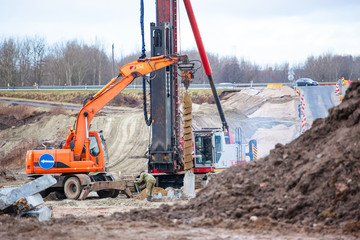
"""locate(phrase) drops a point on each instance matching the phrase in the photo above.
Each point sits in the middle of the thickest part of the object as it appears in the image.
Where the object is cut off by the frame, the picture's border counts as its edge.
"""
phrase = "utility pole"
(113, 60)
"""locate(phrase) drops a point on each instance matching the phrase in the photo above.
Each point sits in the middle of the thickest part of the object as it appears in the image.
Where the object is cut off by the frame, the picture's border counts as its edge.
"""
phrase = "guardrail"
(192, 86)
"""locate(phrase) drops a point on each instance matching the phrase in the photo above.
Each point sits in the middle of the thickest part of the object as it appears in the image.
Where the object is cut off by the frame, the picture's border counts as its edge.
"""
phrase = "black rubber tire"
(72, 188)
(115, 193)
(60, 195)
(108, 193)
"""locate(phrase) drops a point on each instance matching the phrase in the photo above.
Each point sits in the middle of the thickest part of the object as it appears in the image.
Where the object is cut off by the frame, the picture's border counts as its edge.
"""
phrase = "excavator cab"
(97, 147)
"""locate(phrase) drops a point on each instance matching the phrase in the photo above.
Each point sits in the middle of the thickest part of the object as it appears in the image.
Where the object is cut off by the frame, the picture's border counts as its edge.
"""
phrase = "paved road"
(319, 100)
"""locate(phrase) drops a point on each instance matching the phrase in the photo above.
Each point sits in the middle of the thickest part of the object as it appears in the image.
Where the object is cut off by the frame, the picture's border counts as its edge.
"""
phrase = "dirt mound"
(11, 122)
(18, 115)
(250, 100)
(200, 97)
(6, 175)
(127, 100)
(80, 98)
(313, 180)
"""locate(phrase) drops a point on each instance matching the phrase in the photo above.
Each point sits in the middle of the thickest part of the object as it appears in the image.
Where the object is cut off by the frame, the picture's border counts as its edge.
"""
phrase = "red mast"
(207, 67)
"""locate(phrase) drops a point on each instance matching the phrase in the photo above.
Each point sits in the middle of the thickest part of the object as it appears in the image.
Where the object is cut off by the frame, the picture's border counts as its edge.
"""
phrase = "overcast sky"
(261, 31)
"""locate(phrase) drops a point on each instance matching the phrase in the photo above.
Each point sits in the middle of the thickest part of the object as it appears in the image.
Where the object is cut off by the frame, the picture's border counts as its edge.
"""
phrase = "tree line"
(31, 61)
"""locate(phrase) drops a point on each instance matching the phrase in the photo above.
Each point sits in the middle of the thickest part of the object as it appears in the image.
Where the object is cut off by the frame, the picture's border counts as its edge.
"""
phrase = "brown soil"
(15, 116)
(102, 227)
(313, 181)
(127, 100)
(12, 117)
(12, 162)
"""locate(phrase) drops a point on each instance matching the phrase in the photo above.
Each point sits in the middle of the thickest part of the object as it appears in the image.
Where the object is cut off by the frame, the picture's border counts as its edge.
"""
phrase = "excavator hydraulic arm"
(128, 73)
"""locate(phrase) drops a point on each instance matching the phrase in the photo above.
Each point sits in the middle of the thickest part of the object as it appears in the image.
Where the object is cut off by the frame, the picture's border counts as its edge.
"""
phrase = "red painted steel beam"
(197, 36)
(207, 67)
(162, 12)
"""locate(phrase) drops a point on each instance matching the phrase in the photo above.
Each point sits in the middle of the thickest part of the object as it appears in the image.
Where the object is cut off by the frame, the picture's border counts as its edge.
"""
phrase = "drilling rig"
(80, 163)
(165, 154)
(171, 152)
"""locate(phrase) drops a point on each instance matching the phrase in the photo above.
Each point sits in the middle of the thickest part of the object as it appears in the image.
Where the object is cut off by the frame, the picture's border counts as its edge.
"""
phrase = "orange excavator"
(84, 151)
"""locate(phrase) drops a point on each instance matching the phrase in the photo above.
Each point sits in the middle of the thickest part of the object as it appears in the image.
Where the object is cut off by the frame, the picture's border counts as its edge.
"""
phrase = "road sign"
(46, 161)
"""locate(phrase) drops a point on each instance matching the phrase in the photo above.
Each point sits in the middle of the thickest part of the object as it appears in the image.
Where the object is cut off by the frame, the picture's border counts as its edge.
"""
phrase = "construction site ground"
(307, 188)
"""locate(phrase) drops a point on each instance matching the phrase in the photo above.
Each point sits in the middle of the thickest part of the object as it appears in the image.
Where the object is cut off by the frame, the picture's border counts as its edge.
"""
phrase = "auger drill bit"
(187, 118)
(186, 77)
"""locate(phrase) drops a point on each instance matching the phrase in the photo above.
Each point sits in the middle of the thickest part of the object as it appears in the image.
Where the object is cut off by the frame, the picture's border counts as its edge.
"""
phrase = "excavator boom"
(73, 157)
(128, 73)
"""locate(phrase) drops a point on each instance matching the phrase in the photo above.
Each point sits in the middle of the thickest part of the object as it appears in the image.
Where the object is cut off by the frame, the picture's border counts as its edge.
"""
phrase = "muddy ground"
(312, 183)
(103, 218)
(307, 189)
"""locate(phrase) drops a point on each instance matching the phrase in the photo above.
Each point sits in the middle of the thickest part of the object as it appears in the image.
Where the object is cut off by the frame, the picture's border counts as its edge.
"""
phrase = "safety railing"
(133, 86)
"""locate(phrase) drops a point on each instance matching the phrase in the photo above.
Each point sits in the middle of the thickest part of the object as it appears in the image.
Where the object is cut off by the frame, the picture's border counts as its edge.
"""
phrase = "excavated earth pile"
(312, 181)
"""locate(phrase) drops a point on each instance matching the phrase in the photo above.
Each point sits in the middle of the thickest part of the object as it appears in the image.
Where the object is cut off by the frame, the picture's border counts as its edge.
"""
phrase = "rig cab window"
(204, 148)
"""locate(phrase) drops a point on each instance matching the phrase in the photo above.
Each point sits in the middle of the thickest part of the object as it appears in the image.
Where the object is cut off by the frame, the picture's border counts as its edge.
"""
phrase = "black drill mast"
(165, 153)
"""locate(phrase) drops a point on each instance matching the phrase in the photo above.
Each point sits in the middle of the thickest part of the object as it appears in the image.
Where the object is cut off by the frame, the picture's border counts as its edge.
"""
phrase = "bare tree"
(68, 61)
(93, 53)
(8, 53)
(30, 60)
(24, 60)
(329, 67)
(53, 67)
(82, 63)
(38, 53)
(230, 70)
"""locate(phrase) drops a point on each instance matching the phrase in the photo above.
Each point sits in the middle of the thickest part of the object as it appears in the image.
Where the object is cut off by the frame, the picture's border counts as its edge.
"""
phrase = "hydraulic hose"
(148, 120)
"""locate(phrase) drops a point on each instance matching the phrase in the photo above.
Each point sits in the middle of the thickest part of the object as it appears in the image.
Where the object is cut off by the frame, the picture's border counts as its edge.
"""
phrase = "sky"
(265, 32)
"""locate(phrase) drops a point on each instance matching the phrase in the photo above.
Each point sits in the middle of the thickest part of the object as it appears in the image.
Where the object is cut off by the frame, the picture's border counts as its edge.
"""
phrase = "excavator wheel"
(115, 193)
(72, 188)
(108, 193)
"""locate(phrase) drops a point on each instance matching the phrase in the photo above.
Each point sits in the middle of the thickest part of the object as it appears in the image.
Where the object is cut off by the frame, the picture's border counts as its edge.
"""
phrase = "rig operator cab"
(212, 153)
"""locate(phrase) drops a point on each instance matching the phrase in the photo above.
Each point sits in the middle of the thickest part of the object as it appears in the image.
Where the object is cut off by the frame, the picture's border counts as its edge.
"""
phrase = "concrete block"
(157, 195)
(189, 184)
(42, 214)
(170, 193)
(26, 190)
(34, 200)
(175, 193)
(6, 190)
